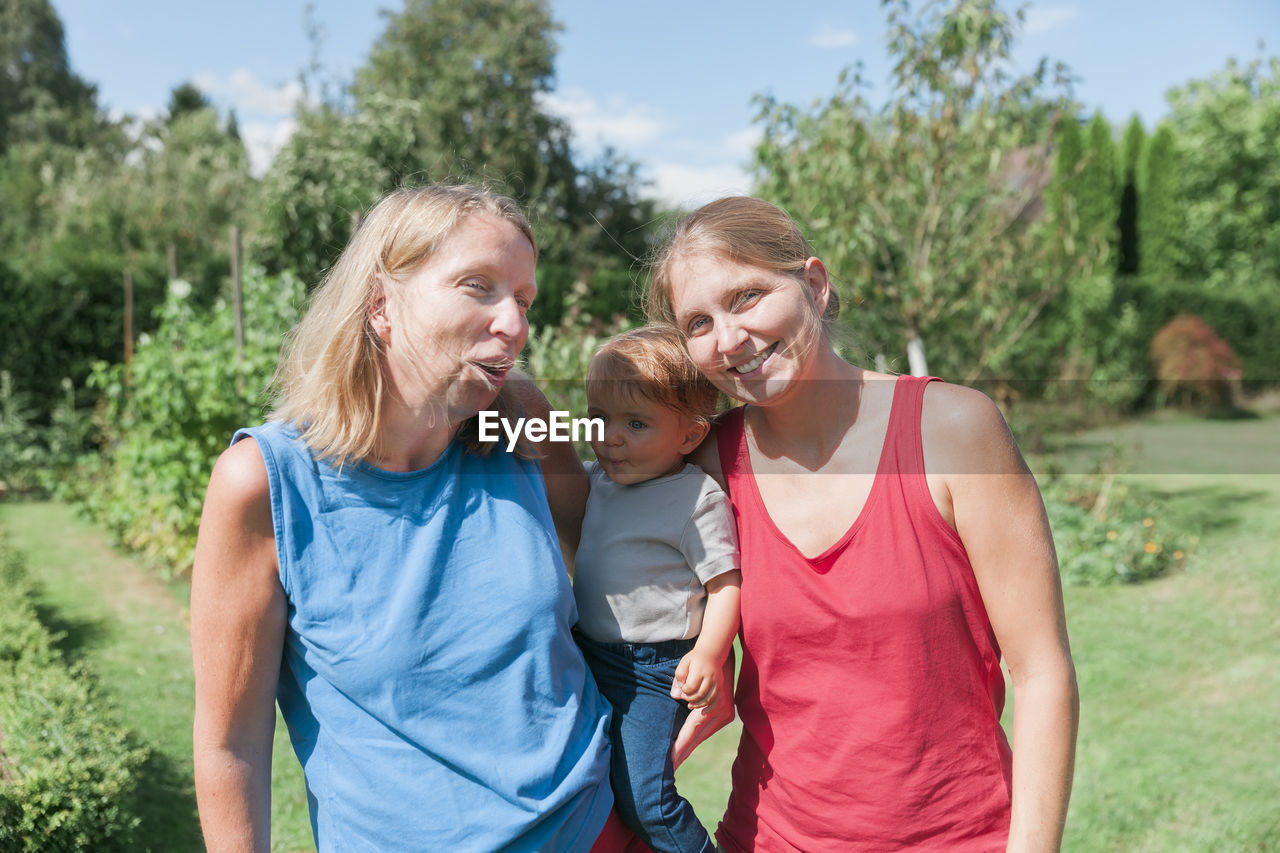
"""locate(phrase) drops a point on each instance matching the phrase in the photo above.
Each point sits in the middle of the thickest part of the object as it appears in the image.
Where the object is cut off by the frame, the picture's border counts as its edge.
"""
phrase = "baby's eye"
(636, 425)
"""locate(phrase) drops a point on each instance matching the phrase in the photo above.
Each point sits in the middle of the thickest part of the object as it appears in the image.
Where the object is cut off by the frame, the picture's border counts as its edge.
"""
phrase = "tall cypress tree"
(1129, 260)
(1068, 152)
(1159, 213)
(1097, 195)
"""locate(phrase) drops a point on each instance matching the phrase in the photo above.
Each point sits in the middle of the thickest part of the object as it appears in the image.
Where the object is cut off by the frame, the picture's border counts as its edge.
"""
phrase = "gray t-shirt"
(645, 553)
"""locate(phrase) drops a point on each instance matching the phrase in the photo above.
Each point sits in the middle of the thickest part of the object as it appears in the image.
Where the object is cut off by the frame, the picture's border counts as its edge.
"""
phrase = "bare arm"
(995, 506)
(238, 615)
(702, 723)
(697, 678)
(562, 470)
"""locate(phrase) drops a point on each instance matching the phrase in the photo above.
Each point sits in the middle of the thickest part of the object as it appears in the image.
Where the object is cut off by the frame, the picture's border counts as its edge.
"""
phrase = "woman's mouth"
(496, 369)
(755, 362)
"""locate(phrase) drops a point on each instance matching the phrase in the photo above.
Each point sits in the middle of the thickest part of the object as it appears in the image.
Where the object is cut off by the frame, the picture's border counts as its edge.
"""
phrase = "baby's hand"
(697, 680)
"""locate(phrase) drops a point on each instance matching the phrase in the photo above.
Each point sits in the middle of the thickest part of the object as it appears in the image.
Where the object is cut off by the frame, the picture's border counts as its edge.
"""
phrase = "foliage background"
(979, 226)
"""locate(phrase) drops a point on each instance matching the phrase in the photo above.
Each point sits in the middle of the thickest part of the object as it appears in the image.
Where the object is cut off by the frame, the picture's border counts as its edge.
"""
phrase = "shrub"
(67, 770)
(34, 459)
(1193, 365)
(1107, 532)
(20, 455)
(166, 418)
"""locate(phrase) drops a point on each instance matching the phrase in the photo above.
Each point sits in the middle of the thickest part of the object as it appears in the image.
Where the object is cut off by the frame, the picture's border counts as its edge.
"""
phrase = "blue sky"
(670, 84)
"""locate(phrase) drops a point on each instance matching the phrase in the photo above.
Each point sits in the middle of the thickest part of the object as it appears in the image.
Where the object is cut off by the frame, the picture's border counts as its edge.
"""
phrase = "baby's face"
(642, 440)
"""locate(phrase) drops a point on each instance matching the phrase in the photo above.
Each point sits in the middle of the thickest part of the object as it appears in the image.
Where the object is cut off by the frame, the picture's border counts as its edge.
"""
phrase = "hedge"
(68, 770)
(1247, 322)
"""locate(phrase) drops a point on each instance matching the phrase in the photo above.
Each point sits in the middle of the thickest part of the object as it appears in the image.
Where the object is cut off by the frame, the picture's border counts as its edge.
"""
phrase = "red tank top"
(870, 691)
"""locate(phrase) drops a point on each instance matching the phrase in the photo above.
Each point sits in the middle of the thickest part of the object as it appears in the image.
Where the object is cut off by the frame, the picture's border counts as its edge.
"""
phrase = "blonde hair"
(741, 229)
(651, 363)
(332, 374)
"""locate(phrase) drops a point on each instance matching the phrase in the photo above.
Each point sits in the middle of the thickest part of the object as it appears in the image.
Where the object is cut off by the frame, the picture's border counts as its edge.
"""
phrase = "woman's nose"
(508, 320)
(729, 337)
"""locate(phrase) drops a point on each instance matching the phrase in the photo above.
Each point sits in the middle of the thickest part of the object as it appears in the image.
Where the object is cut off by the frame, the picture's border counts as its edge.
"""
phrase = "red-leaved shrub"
(1194, 366)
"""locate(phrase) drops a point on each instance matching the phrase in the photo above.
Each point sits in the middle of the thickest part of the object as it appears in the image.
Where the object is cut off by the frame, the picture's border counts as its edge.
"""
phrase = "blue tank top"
(431, 687)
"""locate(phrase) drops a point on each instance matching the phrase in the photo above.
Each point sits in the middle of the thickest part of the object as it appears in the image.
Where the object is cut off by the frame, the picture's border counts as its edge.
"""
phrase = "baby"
(656, 575)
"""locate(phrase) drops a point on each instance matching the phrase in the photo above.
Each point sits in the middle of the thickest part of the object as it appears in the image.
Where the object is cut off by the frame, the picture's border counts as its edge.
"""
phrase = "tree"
(40, 97)
(1068, 162)
(88, 202)
(186, 98)
(1128, 247)
(1098, 191)
(52, 140)
(334, 167)
(1226, 128)
(476, 68)
(452, 91)
(929, 205)
(1085, 197)
(1160, 216)
(196, 183)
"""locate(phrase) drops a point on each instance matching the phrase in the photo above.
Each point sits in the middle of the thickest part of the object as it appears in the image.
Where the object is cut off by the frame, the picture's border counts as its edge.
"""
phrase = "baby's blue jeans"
(636, 679)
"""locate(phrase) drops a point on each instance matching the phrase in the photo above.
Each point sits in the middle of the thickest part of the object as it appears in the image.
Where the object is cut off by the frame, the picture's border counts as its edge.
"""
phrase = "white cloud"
(829, 36)
(681, 185)
(1041, 19)
(742, 143)
(263, 141)
(243, 92)
(614, 123)
(265, 113)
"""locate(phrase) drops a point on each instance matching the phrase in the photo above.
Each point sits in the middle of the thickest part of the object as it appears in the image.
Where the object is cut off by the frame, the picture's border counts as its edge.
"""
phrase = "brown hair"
(332, 376)
(651, 363)
(741, 229)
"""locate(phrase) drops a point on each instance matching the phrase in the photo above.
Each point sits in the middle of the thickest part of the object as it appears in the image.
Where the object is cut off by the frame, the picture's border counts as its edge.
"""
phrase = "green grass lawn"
(1179, 677)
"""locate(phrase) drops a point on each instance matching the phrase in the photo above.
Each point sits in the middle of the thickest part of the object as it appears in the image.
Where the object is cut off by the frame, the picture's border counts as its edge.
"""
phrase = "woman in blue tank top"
(392, 581)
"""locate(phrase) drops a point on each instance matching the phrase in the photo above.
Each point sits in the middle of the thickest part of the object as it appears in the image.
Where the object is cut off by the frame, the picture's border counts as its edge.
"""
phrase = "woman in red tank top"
(894, 549)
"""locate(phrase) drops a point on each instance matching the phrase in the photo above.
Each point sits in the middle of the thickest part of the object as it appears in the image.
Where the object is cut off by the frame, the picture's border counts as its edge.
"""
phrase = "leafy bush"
(67, 769)
(34, 458)
(1107, 532)
(557, 356)
(1243, 315)
(166, 418)
(1193, 365)
(20, 456)
(601, 292)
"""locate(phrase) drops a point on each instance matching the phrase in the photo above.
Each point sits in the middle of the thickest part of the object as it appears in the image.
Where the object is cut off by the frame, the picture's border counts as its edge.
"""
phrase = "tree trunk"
(915, 355)
(237, 292)
(128, 316)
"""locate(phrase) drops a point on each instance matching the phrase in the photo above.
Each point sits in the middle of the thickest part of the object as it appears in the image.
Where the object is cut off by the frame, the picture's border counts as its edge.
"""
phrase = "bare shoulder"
(239, 477)
(237, 506)
(964, 432)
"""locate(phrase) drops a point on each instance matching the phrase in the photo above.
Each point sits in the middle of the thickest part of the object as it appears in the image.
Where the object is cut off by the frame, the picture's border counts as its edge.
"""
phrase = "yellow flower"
(1148, 521)
(1151, 548)
(1178, 555)
(1111, 535)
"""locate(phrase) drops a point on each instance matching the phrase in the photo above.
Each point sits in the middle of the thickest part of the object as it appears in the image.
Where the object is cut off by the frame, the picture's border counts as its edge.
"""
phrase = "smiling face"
(643, 439)
(452, 329)
(751, 331)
